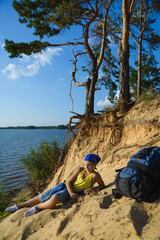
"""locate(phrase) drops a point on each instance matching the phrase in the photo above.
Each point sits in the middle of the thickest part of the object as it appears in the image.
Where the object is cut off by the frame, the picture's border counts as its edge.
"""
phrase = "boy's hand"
(88, 190)
(74, 196)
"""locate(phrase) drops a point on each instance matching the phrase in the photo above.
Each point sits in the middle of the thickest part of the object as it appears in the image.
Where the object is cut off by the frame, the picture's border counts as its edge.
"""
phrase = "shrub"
(107, 108)
(4, 198)
(41, 162)
(147, 95)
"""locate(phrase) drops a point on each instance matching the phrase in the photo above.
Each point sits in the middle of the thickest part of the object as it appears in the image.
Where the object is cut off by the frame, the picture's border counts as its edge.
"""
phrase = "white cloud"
(117, 95)
(30, 65)
(25, 58)
(62, 79)
(106, 102)
(46, 57)
(17, 71)
(2, 44)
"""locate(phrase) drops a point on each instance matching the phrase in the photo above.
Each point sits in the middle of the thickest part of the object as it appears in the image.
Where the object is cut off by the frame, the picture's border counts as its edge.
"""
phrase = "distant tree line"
(39, 127)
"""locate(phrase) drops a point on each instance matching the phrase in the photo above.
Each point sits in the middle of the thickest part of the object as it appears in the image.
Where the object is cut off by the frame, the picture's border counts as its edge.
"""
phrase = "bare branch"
(133, 37)
(97, 88)
(104, 34)
(145, 17)
(131, 6)
(76, 39)
(65, 44)
(70, 94)
(90, 5)
(77, 114)
(75, 68)
(86, 33)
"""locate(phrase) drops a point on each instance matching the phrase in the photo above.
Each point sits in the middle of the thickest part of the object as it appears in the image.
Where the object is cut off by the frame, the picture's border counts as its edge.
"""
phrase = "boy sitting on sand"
(81, 181)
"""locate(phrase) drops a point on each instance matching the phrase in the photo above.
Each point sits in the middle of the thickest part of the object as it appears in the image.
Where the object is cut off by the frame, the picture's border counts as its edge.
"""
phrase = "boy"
(81, 181)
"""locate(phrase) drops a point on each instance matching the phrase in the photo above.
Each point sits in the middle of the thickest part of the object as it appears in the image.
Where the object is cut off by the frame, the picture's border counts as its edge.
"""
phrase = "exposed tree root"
(112, 119)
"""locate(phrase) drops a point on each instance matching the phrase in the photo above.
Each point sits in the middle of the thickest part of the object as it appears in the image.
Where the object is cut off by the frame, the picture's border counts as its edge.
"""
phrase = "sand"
(98, 216)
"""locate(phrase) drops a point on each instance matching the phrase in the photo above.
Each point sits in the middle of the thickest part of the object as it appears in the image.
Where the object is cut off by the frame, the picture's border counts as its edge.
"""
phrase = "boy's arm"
(96, 179)
(70, 182)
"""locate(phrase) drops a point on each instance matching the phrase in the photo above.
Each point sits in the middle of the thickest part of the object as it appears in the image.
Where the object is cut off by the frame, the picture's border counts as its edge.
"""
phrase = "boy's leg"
(31, 202)
(51, 203)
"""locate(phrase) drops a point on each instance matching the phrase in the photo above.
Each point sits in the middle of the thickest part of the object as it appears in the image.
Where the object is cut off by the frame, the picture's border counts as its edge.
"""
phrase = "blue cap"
(92, 158)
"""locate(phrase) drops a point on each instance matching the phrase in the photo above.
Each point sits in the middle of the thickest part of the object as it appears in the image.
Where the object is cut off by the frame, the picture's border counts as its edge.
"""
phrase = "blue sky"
(34, 90)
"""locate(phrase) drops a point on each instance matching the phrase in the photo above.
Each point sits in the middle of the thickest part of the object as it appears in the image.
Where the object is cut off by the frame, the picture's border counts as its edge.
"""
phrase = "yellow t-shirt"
(80, 183)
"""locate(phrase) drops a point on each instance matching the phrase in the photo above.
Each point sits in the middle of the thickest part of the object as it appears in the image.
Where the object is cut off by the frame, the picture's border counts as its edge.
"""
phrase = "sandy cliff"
(99, 216)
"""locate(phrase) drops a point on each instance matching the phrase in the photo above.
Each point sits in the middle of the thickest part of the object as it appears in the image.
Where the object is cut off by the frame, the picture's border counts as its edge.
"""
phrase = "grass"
(147, 96)
(8, 199)
(4, 198)
(42, 162)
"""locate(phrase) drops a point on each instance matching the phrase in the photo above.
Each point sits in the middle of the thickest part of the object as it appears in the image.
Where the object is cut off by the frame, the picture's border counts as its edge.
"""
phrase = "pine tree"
(150, 76)
(143, 34)
(52, 17)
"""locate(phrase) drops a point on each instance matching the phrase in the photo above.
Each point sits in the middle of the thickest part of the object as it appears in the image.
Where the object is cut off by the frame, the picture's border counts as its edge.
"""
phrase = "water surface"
(15, 143)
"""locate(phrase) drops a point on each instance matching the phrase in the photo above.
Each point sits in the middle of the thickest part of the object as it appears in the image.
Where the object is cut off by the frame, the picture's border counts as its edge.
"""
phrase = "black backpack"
(141, 178)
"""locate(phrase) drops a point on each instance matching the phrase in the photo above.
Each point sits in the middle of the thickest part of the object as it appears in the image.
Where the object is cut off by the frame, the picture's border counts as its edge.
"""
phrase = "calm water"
(15, 143)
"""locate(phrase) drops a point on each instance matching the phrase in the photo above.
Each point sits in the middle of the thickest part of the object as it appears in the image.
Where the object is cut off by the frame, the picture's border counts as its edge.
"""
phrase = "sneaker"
(12, 208)
(31, 211)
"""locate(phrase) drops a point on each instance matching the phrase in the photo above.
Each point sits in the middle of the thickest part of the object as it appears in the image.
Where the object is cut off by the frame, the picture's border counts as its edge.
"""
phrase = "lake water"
(15, 143)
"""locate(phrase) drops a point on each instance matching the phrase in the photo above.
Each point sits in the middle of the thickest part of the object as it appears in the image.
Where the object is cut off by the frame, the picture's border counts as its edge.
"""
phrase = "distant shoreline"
(38, 127)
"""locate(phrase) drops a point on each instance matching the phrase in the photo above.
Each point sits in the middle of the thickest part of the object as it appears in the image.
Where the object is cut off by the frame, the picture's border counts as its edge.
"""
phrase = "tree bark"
(139, 70)
(123, 52)
(95, 61)
(90, 92)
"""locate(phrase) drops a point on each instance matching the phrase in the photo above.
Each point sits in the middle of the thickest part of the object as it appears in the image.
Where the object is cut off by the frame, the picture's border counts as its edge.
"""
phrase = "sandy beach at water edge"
(98, 216)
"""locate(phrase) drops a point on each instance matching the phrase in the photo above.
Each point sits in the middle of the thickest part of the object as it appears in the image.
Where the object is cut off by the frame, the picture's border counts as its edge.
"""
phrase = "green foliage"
(7, 199)
(48, 17)
(140, 24)
(21, 196)
(107, 108)
(3, 214)
(150, 76)
(41, 162)
(4, 198)
(62, 126)
(110, 69)
(147, 95)
(156, 5)
(16, 49)
(37, 14)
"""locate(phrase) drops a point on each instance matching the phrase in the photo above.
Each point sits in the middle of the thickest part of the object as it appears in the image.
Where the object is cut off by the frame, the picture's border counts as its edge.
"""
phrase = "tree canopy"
(99, 22)
(49, 18)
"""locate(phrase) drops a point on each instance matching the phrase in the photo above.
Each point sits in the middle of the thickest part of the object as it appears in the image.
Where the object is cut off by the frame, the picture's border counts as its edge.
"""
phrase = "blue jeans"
(60, 190)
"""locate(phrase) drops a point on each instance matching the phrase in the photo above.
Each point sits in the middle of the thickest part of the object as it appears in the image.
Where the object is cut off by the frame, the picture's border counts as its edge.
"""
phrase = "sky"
(34, 90)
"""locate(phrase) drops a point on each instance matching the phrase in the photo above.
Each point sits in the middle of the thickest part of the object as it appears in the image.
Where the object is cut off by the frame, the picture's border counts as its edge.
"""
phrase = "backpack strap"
(116, 193)
(118, 170)
(139, 167)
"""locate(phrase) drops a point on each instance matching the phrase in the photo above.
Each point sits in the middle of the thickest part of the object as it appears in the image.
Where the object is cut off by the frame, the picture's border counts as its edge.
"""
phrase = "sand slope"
(99, 216)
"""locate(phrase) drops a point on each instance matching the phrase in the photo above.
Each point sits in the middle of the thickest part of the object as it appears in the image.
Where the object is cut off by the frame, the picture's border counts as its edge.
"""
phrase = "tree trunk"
(139, 70)
(124, 75)
(90, 91)
(141, 29)
(123, 52)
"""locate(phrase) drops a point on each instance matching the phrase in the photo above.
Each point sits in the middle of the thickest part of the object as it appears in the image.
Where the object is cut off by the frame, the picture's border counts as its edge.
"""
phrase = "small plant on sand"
(107, 108)
(41, 162)
(4, 198)
(4, 201)
(147, 95)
